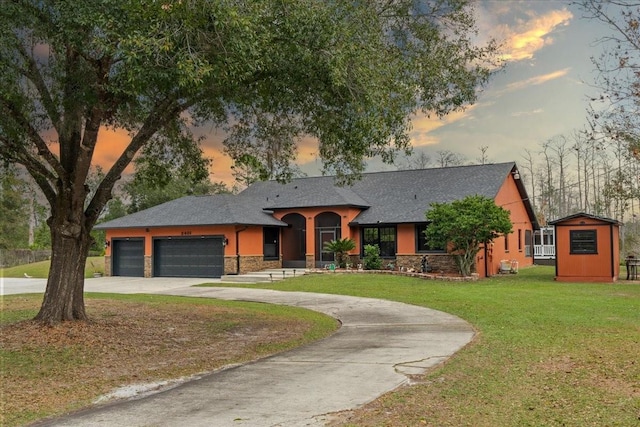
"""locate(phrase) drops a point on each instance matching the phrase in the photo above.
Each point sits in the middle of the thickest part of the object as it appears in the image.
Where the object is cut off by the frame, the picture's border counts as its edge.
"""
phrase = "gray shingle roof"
(405, 196)
(303, 193)
(217, 209)
(385, 197)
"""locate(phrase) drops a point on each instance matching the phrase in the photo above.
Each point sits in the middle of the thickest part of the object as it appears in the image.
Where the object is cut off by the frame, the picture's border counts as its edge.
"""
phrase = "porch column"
(310, 254)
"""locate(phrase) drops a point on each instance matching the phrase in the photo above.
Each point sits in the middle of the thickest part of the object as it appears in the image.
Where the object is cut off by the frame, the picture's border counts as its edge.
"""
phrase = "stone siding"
(439, 262)
(311, 261)
(442, 263)
(107, 266)
(148, 269)
(257, 263)
(231, 264)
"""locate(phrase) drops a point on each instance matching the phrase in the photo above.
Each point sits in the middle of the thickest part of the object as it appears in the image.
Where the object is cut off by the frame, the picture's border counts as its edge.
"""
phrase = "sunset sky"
(542, 92)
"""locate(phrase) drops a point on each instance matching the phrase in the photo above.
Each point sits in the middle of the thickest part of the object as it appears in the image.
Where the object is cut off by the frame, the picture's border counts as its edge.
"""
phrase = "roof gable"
(585, 215)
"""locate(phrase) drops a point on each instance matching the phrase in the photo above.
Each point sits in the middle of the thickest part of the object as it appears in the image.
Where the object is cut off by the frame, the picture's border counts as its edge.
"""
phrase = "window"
(271, 242)
(583, 242)
(506, 243)
(519, 240)
(384, 237)
(422, 244)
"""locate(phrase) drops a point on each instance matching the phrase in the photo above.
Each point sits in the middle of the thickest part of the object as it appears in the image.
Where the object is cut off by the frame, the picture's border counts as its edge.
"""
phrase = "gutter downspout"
(238, 248)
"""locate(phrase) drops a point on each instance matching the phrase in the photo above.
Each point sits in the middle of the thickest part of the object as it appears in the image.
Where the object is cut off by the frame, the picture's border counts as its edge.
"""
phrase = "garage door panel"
(188, 257)
(128, 257)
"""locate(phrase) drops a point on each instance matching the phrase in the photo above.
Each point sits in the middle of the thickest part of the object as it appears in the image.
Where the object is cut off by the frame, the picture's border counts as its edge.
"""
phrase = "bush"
(372, 260)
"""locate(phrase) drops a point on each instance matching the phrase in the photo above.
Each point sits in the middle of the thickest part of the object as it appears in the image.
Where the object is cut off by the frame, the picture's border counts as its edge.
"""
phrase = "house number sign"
(186, 233)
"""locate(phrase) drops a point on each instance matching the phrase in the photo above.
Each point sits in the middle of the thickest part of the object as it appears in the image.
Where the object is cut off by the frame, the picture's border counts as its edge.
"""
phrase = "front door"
(326, 236)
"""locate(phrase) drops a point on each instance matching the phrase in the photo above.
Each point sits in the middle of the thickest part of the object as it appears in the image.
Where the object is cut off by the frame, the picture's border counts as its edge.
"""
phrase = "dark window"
(506, 243)
(384, 237)
(520, 240)
(271, 243)
(583, 242)
(422, 244)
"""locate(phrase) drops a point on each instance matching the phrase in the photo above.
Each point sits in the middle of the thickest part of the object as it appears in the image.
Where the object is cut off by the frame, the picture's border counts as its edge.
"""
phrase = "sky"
(541, 93)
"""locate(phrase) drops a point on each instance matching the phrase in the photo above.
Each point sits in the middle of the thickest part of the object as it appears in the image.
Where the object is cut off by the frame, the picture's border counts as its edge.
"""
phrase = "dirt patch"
(55, 369)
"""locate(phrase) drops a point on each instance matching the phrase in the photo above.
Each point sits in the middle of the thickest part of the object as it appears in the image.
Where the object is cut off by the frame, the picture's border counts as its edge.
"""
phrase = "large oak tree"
(349, 74)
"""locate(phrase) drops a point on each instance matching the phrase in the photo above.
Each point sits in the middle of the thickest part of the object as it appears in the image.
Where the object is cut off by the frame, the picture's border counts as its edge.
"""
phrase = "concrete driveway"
(379, 344)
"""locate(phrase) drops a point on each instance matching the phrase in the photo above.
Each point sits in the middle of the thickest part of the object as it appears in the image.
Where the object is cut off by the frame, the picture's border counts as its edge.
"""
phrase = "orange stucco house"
(587, 248)
(274, 225)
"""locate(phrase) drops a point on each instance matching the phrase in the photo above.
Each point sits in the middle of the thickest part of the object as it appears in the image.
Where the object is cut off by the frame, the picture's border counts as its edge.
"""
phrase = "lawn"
(546, 353)
(41, 269)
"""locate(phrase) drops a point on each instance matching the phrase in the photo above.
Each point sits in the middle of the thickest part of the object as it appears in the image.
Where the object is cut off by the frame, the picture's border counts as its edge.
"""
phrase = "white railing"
(544, 251)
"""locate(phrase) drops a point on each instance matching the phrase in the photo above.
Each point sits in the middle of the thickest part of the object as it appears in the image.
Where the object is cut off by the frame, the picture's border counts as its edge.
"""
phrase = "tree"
(14, 210)
(483, 159)
(341, 248)
(463, 225)
(350, 74)
(164, 173)
(416, 160)
(614, 111)
(448, 158)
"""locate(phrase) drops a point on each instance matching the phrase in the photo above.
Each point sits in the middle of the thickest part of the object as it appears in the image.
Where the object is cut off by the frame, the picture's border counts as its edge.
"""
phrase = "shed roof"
(585, 215)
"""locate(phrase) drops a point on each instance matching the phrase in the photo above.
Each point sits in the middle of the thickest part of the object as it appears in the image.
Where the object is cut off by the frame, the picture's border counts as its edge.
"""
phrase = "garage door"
(188, 257)
(127, 257)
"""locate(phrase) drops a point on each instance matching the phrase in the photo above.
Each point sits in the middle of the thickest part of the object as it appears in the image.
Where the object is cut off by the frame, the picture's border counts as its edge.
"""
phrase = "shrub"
(372, 260)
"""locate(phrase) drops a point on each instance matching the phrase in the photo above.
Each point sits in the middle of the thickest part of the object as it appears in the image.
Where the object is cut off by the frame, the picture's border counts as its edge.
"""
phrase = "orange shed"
(587, 248)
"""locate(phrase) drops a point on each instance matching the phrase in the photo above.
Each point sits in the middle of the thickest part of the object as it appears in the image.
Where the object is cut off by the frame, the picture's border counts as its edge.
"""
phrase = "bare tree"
(529, 167)
(483, 159)
(448, 158)
(416, 160)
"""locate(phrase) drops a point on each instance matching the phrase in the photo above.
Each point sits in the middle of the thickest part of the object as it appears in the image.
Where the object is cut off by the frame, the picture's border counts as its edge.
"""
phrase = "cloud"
(521, 30)
(424, 126)
(535, 80)
(528, 36)
(527, 113)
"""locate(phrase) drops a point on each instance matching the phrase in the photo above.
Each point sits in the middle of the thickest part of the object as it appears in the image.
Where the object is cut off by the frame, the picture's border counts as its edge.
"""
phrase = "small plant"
(341, 248)
(372, 260)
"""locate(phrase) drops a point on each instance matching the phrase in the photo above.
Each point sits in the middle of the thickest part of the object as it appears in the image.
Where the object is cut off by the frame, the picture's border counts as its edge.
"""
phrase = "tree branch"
(33, 74)
(33, 136)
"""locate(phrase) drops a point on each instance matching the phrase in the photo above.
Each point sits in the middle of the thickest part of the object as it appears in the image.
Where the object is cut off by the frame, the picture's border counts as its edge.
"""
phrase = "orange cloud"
(111, 144)
(423, 126)
(530, 36)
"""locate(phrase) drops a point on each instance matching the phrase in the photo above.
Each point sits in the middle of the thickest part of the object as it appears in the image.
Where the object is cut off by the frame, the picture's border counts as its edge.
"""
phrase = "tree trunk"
(64, 295)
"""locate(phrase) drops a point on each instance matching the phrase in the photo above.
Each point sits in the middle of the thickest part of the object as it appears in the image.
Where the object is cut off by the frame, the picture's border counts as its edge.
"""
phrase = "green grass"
(546, 353)
(41, 269)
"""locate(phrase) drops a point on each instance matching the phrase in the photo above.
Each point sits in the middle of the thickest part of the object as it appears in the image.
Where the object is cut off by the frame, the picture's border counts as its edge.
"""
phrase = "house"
(587, 248)
(274, 225)
(544, 245)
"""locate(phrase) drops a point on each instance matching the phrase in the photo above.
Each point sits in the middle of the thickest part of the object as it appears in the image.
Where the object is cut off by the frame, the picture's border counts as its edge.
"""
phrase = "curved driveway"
(379, 344)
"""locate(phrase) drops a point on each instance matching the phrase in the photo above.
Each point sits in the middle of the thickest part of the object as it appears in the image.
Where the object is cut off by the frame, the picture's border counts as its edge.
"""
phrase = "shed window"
(583, 241)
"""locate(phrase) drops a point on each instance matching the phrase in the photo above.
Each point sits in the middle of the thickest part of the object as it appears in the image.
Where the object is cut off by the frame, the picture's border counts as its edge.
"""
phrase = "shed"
(587, 248)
